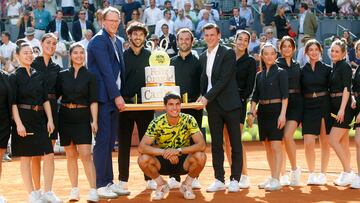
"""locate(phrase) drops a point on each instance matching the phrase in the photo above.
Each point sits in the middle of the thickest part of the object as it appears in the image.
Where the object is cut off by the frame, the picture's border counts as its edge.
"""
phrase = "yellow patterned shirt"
(172, 137)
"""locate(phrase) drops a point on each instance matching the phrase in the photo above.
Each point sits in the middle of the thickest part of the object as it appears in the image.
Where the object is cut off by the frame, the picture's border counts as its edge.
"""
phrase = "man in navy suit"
(105, 60)
(80, 26)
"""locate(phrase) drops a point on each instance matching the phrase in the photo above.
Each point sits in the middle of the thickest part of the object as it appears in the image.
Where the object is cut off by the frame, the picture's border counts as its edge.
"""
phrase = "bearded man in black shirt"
(136, 59)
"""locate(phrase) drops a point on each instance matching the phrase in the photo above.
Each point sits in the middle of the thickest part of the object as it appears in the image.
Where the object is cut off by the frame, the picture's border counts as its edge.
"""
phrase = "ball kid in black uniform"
(33, 123)
(316, 117)
(294, 110)
(50, 70)
(271, 92)
(340, 84)
(78, 116)
(356, 105)
(5, 114)
(245, 78)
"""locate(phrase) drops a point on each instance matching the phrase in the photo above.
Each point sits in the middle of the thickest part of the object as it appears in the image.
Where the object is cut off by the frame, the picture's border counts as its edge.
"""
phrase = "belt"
(315, 94)
(338, 94)
(294, 91)
(39, 29)
(30, 107)
(270, 101)
(74, 106)
(52, 96)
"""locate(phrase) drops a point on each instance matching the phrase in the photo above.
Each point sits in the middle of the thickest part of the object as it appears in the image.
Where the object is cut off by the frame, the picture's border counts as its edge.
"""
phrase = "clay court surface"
(12, 188)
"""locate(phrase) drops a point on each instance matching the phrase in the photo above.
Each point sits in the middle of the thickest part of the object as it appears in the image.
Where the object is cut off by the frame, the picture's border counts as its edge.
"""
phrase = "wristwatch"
(180, 151)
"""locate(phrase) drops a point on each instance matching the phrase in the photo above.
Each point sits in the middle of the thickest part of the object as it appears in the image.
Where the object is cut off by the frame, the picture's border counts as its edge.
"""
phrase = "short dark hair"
(6, 33)
(166, 11)
(210, 26)
(136, 26)
(171, 95)
(235, 8)
(166, 2)
(58, 11)
(304, 5)
(165, 25)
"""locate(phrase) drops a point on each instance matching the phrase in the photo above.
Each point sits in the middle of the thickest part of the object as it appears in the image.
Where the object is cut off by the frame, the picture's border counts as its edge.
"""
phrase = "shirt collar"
(213, 52)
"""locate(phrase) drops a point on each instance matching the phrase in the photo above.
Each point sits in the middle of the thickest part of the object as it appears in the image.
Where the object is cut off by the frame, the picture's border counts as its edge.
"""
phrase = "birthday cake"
(159, 78)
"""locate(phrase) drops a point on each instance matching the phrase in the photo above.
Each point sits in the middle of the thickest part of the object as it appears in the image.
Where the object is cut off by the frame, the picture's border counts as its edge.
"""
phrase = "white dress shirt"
(183, 23)
(151, 16)
(178, 4)
(214, 15)
(209, 65)
(301, 25)
(6, 50)
(170, 23)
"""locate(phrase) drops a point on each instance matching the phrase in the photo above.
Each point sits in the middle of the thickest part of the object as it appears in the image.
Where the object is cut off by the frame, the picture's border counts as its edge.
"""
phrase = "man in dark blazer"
(57, 23)
(236, 22)
(89, 15)
(81, 25)
(221, 98)
(105, 61)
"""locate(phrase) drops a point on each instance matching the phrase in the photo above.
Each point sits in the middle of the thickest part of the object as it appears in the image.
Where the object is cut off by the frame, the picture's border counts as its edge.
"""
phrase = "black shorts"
(268, 115)
(166, 168)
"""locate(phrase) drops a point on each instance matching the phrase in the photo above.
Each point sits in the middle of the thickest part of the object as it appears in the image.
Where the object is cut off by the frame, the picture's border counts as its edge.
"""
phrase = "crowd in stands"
(79, 20)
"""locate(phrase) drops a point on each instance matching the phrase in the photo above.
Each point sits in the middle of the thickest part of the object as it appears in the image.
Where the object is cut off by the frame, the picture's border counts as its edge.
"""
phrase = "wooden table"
(160, 106)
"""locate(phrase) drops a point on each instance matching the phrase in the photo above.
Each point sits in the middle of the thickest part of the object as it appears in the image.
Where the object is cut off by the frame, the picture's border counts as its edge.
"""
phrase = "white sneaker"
(233, 186)
(295, 177)
(34, 197)
(173, 183)
(187, 191)
(93, 195)
(74, 194)
(321, 179)
(196, 184)
(312, 179)
(244, 182)
(273, 185)
(263, 184)
(106, 192)
(217, 185)
(285, 180)
(120, 188)
(345, 179)
(50, 197)
(356, 183)
(161, 192)
(2, 199)
(151, 185)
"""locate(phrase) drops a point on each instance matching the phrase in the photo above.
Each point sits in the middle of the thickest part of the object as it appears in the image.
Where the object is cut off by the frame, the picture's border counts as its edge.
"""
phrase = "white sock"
(188, 180)
(159, 180)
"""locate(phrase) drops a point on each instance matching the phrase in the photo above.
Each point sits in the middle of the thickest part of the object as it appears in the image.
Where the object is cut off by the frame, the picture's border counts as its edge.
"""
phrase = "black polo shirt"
(340, 77)
(134, 73)
(187, 75)
(273, 84)
(293, 72)
(316, 80)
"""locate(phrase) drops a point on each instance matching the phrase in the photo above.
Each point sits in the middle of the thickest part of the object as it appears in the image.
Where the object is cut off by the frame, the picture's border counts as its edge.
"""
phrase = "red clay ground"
(12, 188)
